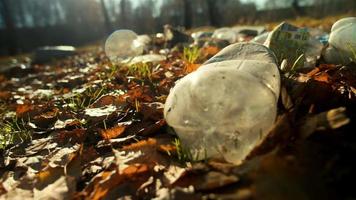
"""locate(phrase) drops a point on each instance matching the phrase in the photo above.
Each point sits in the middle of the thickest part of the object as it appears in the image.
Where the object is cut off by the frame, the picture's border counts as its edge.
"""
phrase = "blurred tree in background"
(27, 24)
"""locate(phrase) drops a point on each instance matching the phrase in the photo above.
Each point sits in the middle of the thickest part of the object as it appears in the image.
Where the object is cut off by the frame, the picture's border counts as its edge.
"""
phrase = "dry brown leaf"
(47, 118)
(205, 181)
(109, 100)
(153, 111)
(5, 95)
(149, 149)
(169, 149)
(103, 183)
(23, 109)
(113, 132)
(73, 136)
(209, 51)
(152, 128)
(191, 67)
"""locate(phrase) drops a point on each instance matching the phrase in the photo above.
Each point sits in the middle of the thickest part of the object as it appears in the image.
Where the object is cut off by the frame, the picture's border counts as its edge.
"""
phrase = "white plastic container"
(342, 42)
(228, 106)
(225, 34)
(123, 44)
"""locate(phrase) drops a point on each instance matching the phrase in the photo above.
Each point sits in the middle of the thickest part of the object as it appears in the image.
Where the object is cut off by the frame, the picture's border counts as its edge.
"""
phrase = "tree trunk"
(213, 13)
(106, 17)
(123, 15)
(188, 15)
(10, 27)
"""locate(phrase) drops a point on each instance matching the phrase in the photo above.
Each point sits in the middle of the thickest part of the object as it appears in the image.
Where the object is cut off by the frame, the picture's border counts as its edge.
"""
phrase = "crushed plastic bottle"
(123, 44)
(295, 45)
(226, 107)
(342, 42)
(261, 39)
(225, 34)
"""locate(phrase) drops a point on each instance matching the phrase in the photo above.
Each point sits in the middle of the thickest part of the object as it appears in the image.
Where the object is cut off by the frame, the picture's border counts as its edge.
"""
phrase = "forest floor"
(85, 128)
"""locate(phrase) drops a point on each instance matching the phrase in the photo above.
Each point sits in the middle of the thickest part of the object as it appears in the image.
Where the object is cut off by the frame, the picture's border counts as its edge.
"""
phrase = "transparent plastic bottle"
(225, 34)
(228, 106)
(342, 42)
(123, 44)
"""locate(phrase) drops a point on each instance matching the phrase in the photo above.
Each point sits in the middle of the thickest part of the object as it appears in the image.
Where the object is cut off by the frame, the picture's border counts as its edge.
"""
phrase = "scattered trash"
(251, 31)
(213, 113)
(238, 33)
(295, 45)
(313, 52)
(225, 34)
(123, 44)
(50, 53)
(218, 43)
(17, 70)
(261, 39)
(174, 36)
(201, 36)
(342, 42)
(149, 58)
(290, 43)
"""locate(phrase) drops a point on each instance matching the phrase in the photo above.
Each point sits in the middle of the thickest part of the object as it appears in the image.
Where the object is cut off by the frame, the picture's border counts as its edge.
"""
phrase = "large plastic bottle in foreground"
(227, 107)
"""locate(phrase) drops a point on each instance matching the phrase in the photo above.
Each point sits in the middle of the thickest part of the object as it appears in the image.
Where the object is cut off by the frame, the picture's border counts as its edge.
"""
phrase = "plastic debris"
(249, 30)
(342, 42)
(123, 44)
(313, 52)
(295, 45)
(50, 53)
(289, 42)
(228, 105)
(261, 39)
(238, 33)
(201, 37)
(225, 34)
(149, 58)
(174, 36)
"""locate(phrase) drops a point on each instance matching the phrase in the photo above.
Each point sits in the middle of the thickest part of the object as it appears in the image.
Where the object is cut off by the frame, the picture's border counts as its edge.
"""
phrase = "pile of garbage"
(227, 107)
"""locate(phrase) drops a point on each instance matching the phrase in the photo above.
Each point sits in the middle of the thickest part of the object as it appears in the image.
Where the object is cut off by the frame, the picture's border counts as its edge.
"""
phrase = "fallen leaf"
(191, 67)
(113, 132)
(149, 150)
(74, 136)
(107, 100)
(23, 109)
(5, 95)
(108, 181)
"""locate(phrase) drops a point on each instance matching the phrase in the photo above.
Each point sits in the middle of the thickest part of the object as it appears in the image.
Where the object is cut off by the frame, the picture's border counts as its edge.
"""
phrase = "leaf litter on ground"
(95, 130)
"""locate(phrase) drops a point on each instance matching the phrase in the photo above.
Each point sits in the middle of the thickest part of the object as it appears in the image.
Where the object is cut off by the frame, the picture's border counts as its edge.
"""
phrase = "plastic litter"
(50, 53)
(201, 37)
(342, 42)
(175, 36)
(123, 44)
(228, 105)
(261, 39)
(249, 30)
(148, 58)
(225, 34)
(295, 45)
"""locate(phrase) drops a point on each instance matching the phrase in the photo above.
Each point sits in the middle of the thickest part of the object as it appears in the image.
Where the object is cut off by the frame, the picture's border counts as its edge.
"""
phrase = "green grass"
(13, 131)
(185, 155)
(353, 51)
(191, 54)
(87, 98)
(140, 70)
